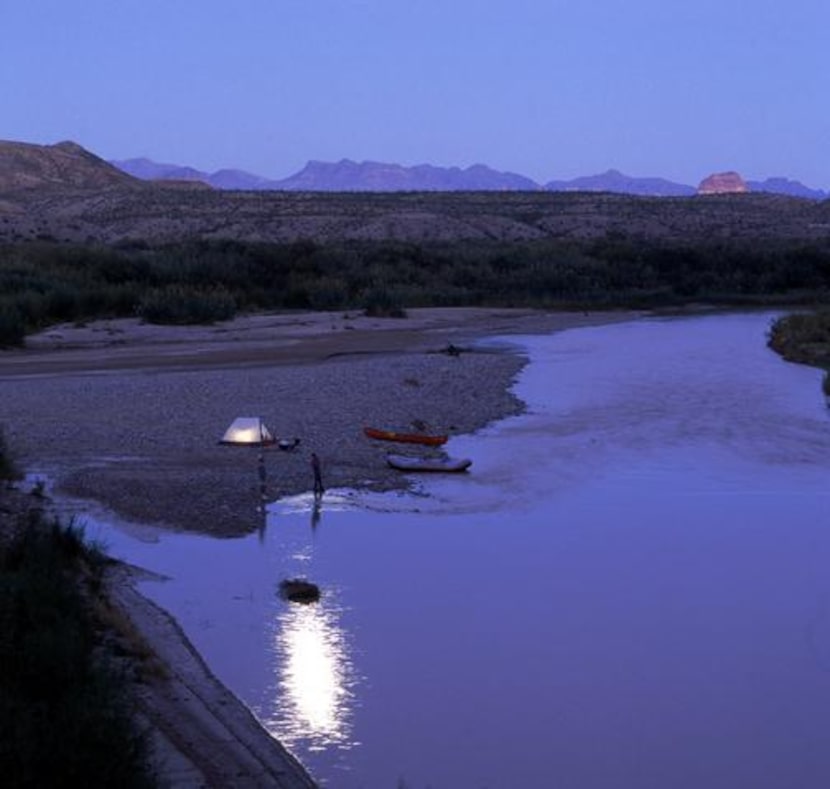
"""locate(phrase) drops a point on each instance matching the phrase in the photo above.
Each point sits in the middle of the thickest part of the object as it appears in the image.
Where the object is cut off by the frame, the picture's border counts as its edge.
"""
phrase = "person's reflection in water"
(315, 512)
(318, 475)
(263, 477)
(263, 523)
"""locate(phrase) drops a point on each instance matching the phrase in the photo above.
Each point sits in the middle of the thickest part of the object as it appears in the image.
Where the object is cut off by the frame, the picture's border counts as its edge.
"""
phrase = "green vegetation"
(64, 718)
(43, 283)
(804, 337)
(8, 466)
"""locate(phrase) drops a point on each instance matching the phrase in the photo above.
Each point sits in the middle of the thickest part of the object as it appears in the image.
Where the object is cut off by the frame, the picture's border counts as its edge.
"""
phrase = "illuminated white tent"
(247, 431)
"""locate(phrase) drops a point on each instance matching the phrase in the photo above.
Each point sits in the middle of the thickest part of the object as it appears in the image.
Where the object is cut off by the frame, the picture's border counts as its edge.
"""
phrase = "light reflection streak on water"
(314, 674)
(315, 683)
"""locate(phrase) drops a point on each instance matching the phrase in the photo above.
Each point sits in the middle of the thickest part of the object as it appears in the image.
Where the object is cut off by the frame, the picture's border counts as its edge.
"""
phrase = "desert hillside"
(27, 166)
(65, 193)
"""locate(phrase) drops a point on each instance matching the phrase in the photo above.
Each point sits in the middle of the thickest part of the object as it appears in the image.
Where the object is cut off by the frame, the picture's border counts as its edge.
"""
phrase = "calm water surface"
(630, 590)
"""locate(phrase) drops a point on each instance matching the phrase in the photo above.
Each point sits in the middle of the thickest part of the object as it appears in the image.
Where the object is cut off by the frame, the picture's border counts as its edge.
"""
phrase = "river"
(631, 588)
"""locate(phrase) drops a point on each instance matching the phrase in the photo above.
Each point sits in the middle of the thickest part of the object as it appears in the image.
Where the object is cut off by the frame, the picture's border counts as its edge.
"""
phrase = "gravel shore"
(82, 407)
(146, 446)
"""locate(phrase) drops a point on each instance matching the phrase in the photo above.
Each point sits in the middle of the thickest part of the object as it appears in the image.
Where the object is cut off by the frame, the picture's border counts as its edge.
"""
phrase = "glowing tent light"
(247, 431)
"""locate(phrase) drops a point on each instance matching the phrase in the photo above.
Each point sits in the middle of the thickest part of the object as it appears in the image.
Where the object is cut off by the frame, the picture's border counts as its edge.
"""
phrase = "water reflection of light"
(337, 500)
(315, 679)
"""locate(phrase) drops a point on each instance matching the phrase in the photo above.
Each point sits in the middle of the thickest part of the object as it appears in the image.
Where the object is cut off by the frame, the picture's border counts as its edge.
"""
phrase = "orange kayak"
(407, 438)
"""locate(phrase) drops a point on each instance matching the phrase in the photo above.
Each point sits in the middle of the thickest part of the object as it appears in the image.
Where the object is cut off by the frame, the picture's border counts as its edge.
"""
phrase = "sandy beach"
(127, 417)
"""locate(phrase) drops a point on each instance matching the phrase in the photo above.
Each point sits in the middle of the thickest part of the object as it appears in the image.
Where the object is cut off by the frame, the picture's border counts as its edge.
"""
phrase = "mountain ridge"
(342, 176)
(27, 165)
(615, 181)
(347, 175)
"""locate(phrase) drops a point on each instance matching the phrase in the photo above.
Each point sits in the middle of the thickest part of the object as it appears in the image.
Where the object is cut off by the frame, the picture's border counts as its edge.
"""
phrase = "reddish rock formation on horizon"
(722, 183)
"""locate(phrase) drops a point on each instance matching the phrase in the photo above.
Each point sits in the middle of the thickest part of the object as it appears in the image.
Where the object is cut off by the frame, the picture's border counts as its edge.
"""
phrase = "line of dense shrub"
(803, 337)
(64, 716)
(206, 281)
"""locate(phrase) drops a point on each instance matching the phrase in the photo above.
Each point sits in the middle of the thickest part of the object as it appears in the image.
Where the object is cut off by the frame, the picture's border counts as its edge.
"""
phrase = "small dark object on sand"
(299, 591)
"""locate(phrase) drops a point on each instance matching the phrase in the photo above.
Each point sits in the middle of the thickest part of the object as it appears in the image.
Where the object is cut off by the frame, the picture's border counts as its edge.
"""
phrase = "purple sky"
(548, 88)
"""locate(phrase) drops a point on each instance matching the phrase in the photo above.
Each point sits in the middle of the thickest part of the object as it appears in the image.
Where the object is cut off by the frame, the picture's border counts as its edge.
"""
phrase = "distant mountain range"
(67, 163)
(148, 170)
(784, 186)
(615, 181)
(342, 176)
(349, 176)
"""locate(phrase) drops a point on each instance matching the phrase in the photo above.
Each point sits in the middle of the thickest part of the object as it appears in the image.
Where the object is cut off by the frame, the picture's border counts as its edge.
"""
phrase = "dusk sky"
(551, 89)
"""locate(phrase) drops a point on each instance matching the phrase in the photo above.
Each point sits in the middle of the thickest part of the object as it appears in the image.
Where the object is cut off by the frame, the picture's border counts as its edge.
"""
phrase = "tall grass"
(65, 718)
(9, 469)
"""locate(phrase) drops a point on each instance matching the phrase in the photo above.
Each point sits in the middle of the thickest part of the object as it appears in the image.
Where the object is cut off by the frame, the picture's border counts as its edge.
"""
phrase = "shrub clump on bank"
(65, 716)
(804, 338)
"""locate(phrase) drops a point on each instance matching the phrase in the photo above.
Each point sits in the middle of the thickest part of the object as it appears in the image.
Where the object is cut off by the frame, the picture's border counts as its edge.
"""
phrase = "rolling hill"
(28, 166)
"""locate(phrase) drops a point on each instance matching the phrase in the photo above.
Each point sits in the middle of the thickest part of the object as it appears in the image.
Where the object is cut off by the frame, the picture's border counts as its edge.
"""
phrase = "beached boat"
(405, 463)
(407, 438)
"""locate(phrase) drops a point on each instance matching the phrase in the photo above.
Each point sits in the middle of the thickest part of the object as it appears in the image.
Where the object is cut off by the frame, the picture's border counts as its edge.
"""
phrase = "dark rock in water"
(299, 591)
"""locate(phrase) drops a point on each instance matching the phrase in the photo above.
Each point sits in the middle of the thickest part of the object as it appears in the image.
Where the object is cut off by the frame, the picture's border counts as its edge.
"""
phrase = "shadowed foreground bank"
(99, 686)
(65, 704)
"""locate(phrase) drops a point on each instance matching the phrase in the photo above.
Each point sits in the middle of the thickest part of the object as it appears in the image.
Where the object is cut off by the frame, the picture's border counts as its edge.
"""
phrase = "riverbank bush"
(803, 337)
(8, 467)
(180, 304)
(12, 326)
(204, 281)
(64, 717)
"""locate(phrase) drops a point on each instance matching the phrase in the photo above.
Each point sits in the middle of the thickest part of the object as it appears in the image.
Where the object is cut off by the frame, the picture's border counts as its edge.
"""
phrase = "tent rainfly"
(247, 431)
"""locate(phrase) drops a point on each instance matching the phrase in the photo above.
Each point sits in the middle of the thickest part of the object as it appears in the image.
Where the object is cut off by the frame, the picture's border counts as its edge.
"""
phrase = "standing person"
(318, 477)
